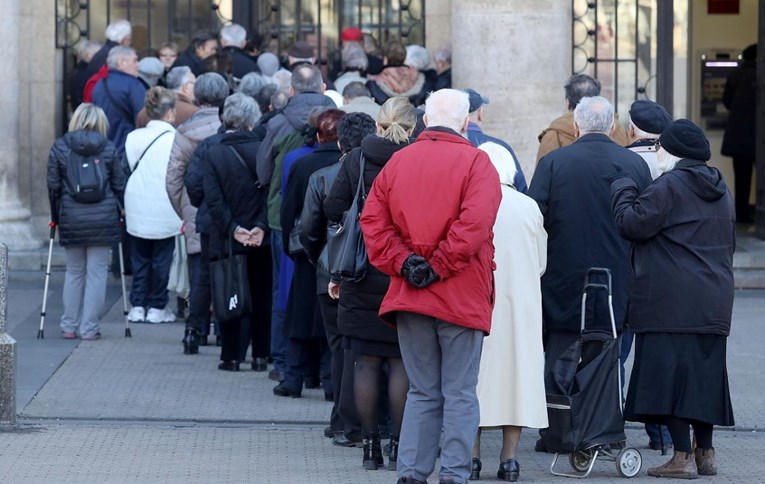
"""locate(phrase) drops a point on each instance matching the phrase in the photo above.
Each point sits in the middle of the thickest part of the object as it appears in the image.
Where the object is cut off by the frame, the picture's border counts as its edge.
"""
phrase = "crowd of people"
(466, 280)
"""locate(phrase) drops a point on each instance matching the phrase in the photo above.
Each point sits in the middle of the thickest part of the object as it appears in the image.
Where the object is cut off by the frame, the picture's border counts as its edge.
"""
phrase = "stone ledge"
(35, 260)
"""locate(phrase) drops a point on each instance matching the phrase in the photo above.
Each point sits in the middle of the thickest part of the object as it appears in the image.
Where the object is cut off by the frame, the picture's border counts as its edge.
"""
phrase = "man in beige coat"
(210, 91)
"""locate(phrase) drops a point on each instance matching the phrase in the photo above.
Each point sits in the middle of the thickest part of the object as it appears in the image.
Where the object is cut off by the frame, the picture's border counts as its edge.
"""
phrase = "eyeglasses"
(657, 145)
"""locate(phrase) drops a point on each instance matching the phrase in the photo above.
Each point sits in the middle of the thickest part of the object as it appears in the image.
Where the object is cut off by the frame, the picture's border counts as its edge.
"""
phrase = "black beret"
(684, 139)
(649, 116)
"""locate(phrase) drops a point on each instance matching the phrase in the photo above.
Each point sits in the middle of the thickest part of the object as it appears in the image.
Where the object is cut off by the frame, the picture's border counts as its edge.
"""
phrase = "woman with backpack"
(151, 219)
(85, 185)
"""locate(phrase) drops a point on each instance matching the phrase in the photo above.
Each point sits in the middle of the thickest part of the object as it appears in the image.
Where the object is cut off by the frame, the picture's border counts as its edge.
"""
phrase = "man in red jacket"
(427, 223)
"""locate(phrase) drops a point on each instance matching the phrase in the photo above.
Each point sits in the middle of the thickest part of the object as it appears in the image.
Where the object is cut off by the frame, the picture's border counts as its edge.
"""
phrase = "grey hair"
(594, 115)
(84, 48)
(354, 57)
(279, 99)
(211, 89)
(118, 30)
(117, 53)
(252, 83)
(640, 134)
(447, 108)
(306, 78)
(177, 77)
(233, 34)
(240, 112)
(443, 54)
(356, 89)
(417, 56)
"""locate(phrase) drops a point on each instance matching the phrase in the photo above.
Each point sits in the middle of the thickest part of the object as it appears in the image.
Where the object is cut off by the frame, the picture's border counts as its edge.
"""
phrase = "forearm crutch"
(41, 331)
(124, 292)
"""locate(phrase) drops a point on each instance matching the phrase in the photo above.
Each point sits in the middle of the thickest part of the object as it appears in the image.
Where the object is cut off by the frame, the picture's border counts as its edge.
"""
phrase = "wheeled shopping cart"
(584, 396)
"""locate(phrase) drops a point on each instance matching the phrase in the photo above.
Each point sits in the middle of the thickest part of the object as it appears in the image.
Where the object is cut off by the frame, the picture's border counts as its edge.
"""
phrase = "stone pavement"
(131, 410)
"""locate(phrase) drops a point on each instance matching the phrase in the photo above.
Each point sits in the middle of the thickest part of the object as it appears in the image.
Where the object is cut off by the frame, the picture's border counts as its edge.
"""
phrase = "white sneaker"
(157, 316)
(137, 315)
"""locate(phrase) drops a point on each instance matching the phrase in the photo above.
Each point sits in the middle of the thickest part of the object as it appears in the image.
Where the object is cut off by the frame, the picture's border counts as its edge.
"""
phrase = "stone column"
(15, 227)
(7, 350)
(518, 54)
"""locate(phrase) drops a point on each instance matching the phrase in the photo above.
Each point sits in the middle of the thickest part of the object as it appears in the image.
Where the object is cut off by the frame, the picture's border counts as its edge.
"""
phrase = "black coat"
(98, 60)
(242, 63)
(359, 306)
(189, 58)
(739, 97)
(194, 177)
(77, 80)
(681, 266)
(85, 224)
(233, 195)
(572, 186)
(302, 318)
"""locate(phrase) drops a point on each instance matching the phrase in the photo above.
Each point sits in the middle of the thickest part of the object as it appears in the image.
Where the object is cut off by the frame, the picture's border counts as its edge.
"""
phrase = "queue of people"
(465, 287)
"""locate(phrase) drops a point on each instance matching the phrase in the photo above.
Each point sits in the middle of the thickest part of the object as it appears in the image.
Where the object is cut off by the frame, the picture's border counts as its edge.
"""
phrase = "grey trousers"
(84, 289)
(442, 361)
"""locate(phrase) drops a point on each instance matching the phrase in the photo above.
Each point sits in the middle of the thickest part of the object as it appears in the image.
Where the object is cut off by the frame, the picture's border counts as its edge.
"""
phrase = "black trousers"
(742, 171)
(234, 337)
(347, 399)
(200, 295)
(328, 307)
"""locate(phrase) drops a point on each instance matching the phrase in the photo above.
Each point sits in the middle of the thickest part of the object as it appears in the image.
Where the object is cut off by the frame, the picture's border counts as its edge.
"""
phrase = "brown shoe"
(705, 462)
(680, 466)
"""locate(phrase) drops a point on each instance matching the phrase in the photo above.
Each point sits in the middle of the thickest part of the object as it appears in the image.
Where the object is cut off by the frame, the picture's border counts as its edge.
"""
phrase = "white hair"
(447, 108)
(85, 49)
(233, 34)
(118, 30)
(443, 54)
(666, 161)
(594, 115)
(417, 56)
(640, 134)
(502, 160)
(117, 53)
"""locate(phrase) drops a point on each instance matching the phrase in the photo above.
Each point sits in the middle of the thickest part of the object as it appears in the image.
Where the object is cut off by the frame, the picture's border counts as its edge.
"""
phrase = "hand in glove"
(417, 272)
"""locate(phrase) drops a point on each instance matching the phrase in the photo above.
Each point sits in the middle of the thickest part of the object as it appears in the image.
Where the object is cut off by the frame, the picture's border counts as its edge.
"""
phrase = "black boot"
(191, 342)
(475, 470)
(393, 456)
(373, 457)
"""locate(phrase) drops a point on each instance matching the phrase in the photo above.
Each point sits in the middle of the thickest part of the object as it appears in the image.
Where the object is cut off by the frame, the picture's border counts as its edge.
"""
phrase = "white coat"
(148, 212)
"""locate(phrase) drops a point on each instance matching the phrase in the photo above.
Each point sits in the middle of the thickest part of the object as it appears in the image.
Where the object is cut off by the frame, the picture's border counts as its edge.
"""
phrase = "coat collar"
(328, 146)
(593, 137)
(440, 133)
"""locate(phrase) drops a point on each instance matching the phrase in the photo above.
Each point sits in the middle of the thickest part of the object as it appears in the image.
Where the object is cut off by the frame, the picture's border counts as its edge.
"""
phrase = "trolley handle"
(595, 271)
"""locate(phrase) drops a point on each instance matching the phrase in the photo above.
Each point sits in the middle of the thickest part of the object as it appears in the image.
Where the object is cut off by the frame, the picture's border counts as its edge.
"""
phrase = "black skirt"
(375, 348)
(679, 375)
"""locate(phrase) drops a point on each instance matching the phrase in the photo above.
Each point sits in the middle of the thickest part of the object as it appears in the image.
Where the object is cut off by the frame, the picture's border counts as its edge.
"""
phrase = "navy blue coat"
(477, 137)
(129, 95)
(572, 186)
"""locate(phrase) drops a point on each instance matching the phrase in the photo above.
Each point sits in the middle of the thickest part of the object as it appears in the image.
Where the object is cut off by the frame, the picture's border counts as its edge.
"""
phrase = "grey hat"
(150, 69)
(268, 64)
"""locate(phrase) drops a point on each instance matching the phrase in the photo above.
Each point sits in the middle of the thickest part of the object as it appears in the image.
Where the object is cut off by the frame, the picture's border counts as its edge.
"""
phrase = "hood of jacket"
(703, 180)
(400, 81)
(297, 109)
(204, 123)
(379, 150)
(85, 143)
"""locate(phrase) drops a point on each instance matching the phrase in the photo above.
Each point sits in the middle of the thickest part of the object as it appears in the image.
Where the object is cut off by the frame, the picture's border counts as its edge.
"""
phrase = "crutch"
(41, 332)
(124, 292)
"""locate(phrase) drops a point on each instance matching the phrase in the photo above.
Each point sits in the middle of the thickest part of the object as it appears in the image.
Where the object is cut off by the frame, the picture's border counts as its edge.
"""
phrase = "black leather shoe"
(229, 365)
(540, 446)
(191, 342)
(311, 382)
(281, 390)
(509, 470)
(330, 433)
(276, 375)
(259, 364)
(203, 340)
(343, 441)
(475, 471)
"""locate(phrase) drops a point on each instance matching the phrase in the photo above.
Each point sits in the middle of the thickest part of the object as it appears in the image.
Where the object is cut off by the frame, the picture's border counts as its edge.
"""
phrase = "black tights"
(681, 438)
(366, 388)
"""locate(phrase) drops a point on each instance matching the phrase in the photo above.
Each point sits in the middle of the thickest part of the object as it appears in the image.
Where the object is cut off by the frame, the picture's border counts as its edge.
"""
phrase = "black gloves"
(418, 272)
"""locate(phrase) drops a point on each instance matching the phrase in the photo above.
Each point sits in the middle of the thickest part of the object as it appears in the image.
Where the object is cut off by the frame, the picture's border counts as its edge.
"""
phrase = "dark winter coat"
(242, 63)
(122, 103)
(99, 59)
(572, 186)
(189, 58)
(233, 195)
(739, 97)
(77, 80)
(194, 177)
(681, 262)
(360, 302)
(300, 319)
(85, 224)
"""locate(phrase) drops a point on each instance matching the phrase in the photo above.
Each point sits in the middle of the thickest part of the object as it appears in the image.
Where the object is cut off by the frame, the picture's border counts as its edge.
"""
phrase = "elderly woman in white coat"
(151, 219)
(511, 390)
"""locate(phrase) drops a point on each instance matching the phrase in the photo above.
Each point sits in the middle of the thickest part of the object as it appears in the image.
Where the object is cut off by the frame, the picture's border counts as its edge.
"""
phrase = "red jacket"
(437, 198)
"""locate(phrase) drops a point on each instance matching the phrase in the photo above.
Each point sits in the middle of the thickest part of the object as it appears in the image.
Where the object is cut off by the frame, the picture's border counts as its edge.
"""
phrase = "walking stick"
(124, 293)
(41, 331)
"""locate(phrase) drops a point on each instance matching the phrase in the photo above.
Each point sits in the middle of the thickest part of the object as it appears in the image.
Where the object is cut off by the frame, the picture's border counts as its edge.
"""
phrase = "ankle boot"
(705, 462)
(393, 456)
(373, 457)
(475, 469)
(191, 342)
(682, 465)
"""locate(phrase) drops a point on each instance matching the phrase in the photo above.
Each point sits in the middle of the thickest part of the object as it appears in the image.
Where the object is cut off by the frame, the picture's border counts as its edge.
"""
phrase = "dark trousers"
(278, 339)
(127, 250)
(151, 260)
(302, 353)
(742, 171)
(200, 295)
(328, 307)
(347, 402)
(233, 337)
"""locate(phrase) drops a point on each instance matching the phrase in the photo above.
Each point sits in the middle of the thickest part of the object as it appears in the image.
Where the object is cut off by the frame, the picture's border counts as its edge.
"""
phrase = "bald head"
(447, 108)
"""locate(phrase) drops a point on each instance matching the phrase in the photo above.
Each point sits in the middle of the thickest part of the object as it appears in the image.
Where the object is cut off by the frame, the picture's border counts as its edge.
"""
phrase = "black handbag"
(347, 254)
(230, 286)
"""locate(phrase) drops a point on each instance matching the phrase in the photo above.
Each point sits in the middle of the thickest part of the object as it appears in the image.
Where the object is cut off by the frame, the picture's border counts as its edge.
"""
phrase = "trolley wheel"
(628, 462)
(580, 460)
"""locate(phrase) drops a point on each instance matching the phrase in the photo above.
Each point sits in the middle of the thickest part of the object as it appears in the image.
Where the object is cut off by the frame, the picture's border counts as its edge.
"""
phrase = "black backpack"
(87, 178)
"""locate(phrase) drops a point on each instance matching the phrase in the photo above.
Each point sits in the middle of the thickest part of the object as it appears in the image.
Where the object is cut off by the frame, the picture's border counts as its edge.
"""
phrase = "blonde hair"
(397, 118)
(159, 101)
(89, 117)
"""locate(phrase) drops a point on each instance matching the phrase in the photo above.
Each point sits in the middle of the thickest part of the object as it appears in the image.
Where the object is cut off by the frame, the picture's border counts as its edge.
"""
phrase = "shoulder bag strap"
(147, 149)
(244, 163)
(117, 105)
(361, 193)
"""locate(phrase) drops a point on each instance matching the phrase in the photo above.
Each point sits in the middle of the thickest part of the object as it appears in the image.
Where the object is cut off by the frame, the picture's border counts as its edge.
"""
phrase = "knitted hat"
(649, 116)
(684, 139)
(268, 64)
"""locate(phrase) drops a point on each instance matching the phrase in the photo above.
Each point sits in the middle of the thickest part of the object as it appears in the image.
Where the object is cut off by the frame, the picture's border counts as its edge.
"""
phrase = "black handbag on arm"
(347, 254)
(230, 285)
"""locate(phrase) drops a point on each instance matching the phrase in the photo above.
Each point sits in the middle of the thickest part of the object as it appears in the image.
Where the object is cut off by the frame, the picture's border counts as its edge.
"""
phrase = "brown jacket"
(561, 133)
(184, 109)
(203, 124)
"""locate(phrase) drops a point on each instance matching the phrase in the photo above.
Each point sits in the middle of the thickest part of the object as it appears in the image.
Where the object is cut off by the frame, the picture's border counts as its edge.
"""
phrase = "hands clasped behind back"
(249, 237)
